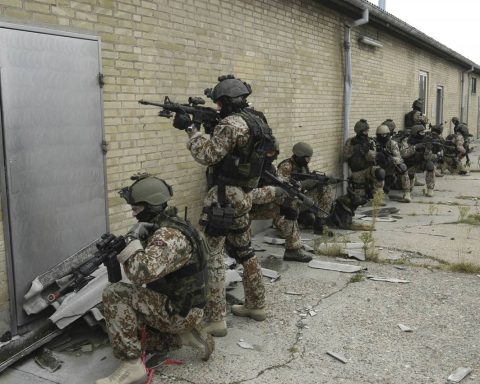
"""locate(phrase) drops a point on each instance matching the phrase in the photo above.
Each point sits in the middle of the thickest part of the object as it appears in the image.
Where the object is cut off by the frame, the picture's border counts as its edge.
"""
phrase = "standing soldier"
(236, 151)
(419, 157)
(320, 194)
(389, 158)
(359, 152)
(270, 202)
(416, 116)
(166, 263)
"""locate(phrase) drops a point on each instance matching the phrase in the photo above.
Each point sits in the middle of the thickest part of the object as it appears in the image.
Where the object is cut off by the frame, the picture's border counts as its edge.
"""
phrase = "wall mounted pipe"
(347, 93)
(462, 98)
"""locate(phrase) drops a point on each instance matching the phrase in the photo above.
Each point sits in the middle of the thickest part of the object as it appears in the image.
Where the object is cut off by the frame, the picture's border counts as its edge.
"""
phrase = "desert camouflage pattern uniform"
(229, 132)
(394, 150)
(365, 176)
(130, 307)
(453, 162)
(323, 198)
(266, 206)
(407, 150)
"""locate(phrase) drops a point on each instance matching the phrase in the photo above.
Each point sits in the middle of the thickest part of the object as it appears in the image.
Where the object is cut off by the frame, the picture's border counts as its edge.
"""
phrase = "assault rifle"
(107, 250)
(320, 178)
(206, 116)
(294, 193)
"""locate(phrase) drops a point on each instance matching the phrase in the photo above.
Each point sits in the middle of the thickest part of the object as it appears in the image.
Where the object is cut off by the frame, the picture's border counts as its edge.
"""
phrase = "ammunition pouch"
(219, 219)
(401, 168)
(379, 174)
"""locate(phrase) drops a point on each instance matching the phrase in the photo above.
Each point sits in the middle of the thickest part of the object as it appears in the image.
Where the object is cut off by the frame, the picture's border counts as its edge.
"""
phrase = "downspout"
(347, 93)
(468, 96)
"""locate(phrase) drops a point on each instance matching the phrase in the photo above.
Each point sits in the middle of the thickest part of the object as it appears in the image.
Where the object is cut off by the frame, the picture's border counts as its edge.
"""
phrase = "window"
(474, 85)
(423, 89)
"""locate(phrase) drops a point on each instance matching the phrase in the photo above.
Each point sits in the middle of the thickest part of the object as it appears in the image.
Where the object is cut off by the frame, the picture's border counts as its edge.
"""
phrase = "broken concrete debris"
(273, 240)
(293, 293)
(337, 356)
(388, 280)
(271, 274)
(405, 328)
(334, 266)
(245, 344)
(47, 360)
(459, 374)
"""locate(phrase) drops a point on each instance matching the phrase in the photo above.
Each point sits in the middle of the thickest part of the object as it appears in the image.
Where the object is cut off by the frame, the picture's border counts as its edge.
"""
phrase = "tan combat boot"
(216, 328)
(129, 372)
(407, 198)
(428, 192)
(199, 339)
(255, 314)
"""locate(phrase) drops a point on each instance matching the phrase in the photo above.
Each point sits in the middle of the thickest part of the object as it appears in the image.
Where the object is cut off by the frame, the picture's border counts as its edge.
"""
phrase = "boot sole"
(253, 317)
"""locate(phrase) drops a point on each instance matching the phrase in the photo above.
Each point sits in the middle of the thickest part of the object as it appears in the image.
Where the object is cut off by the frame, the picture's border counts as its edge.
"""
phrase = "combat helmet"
(302, 150)
(418, 104)
(147, 189)
(391, 125)
(416, 129)
(455, 120)
(361, 126)
(383, 129)
(229, 86)
(437, 128)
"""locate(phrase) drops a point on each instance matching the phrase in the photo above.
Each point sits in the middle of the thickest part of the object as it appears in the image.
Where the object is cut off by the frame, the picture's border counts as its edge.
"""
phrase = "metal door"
(54, 190)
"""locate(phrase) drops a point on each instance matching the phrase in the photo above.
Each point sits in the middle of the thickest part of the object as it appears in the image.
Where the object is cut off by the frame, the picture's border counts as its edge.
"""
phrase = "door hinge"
(101, 81)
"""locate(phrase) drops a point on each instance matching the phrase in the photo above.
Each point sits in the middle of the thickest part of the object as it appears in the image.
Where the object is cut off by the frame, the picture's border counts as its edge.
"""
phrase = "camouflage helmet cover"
(455, 120)
(416, 129)
(229, 86)
(147, 189)
(437, 128)
(302, 150)
(391, 125)
(361, 125)
(383, 130)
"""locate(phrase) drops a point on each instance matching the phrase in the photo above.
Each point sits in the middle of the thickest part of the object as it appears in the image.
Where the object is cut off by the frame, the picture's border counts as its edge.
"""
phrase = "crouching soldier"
(322, 195)
(419, 157)
(166, 263)
(359, 152)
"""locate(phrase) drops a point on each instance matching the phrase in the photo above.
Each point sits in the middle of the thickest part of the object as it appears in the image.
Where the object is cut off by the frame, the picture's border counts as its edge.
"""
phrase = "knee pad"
(402, 168)
(429, 166)
(242, 254)
(289, 213)
(379, 174)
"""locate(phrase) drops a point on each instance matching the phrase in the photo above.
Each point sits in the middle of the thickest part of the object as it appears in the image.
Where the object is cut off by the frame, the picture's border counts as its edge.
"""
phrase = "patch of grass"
(356, 278)
(471, 219)
(293, 349)
(368, 240)
(463, 212)
(432, 209)
(462, 267)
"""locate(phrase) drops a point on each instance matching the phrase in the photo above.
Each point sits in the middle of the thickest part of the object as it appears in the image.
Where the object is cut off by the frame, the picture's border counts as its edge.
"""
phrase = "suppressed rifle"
(322, 179)
(108, 247)
(294, 193)
(206, 116)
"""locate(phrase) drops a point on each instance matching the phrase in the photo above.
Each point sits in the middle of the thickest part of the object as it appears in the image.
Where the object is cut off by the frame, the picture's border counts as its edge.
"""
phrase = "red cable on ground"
(143, 356)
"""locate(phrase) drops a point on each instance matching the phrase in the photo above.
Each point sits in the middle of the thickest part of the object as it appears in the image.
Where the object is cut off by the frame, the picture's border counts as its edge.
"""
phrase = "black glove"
(141, 230)
(308, 184)
(182, 121)
(381, 159)
(420, 147)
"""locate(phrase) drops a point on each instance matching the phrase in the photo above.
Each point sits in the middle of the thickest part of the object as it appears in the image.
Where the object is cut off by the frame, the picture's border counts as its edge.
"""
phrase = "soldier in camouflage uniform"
(235, 151)
(455, 150)
(416, 116)
(389, 158)
(419, 157)
(360, 153)
(270, 202)
(321, 195)
(165, 260)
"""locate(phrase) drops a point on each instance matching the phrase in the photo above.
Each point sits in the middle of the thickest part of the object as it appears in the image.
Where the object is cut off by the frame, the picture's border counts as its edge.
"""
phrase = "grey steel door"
(54, 186)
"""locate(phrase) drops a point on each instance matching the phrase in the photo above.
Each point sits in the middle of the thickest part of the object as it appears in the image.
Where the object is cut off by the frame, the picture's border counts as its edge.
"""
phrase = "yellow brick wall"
(290, 52)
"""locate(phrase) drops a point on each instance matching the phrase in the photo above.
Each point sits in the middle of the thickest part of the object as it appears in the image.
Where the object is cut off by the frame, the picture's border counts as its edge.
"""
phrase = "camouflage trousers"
(323, 198)
(396, 179)
(240, 238)
(429, 176)
(266, 206)
(453, 164)
(364, 182)
(128, 308)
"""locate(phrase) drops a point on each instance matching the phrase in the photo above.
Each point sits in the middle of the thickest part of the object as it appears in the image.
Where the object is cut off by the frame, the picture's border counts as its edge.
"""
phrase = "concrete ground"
(341, 312)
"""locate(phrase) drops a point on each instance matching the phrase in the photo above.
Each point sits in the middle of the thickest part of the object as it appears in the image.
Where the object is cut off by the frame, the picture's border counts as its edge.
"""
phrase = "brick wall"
(290, 52)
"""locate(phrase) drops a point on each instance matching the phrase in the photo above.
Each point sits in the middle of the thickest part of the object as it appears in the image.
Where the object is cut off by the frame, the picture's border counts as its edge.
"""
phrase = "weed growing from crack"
(356, 278)
(330, 245)
(462, 267)
(463, 212)
(432, 209)
(293, 349)
(368, 241)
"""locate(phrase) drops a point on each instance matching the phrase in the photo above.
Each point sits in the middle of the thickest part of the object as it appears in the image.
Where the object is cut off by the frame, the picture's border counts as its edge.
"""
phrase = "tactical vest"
(186, 287)
(358, 161)
(264, 181)
(295, 167)
(409, 120)
(243, 167)
(450, 149)
(418, 157)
